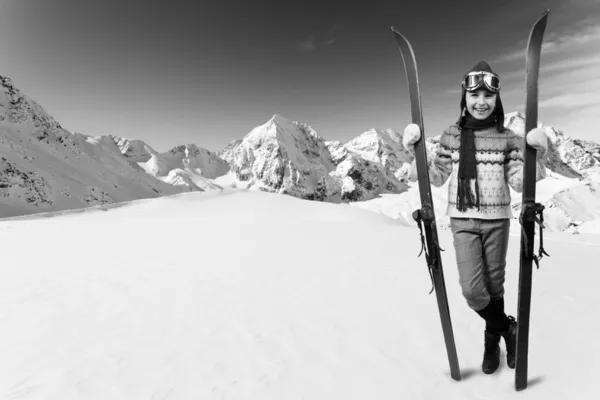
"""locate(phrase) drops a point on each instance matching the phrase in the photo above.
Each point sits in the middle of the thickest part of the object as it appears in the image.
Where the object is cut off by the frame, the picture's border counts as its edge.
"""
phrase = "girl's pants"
(481, 246)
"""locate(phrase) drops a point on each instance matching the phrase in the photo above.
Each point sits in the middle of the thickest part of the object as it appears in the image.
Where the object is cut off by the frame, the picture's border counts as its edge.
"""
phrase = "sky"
(135, 302)
(207, 72)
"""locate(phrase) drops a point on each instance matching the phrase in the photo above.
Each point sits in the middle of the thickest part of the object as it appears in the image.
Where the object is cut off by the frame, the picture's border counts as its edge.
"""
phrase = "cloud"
(571, 87)
(570, 78)
(566, 89)
(310, 43)
(572, 63)
(307, 44)
(555, 42)
(577, 123)
(319, 39)
(551, 68)
(572, 100)
(329, 42)
(569, 97)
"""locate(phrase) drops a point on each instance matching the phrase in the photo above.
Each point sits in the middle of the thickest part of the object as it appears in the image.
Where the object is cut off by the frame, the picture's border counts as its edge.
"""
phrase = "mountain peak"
(19, 108)
(279, 120)
(183, 148)
(514, 115)
(282, 156)
(278, 127)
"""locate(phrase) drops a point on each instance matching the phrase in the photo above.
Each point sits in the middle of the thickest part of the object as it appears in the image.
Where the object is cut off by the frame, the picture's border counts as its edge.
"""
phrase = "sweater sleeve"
(513, 163)
(440, 166)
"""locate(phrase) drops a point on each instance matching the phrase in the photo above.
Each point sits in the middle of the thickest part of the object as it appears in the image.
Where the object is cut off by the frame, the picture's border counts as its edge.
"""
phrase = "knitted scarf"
(467, 164)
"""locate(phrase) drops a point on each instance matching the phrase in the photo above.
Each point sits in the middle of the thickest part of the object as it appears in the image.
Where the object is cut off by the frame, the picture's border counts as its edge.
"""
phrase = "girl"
(481, 158)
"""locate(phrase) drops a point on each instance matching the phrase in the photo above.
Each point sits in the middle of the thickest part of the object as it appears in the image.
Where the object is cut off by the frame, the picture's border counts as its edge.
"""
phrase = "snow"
(571, 205)
(50, 169)
(45, 168)
(282, 156)
(250, 295)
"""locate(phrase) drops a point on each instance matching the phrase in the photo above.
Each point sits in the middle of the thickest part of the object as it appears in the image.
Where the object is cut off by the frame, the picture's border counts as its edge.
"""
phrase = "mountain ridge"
(46, 168)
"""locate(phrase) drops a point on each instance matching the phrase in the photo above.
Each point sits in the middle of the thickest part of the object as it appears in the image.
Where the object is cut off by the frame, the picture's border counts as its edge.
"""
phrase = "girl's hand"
(536, 138)
(412, 134)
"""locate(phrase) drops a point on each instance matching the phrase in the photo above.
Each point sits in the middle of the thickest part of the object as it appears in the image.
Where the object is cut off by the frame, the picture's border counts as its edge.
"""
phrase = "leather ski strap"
(420, 217)
(540, 222)
(529, 213)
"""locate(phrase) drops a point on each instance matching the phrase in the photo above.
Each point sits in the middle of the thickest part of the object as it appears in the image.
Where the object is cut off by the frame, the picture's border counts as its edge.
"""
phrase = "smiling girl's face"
(480, 103)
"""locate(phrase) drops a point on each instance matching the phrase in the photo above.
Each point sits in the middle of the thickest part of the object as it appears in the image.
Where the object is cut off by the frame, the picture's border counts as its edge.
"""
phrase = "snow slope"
(185, 165)
(570, 193)
(571, 205)
(251, 295)
(43, 167)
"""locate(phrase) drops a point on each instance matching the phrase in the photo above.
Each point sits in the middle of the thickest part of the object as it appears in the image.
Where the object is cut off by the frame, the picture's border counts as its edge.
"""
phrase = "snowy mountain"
(570, 193)
(185, 165)
(284, 157)
(289, 157)
(44, 167)
(202, 161)
(337, 151)
(380, 146)
(375, 162)
(568, 157)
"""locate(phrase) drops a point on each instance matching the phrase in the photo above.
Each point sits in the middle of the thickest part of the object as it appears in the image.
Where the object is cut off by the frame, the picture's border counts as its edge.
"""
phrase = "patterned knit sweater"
(499, 158)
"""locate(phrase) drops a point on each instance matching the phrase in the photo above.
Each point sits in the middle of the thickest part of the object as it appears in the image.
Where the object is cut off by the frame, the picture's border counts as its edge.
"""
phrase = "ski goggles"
(475, 80)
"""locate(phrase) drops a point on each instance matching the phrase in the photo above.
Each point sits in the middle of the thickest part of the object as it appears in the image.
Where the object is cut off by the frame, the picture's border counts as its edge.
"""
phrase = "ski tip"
(544, 15)
(399, 35)
(540, 24)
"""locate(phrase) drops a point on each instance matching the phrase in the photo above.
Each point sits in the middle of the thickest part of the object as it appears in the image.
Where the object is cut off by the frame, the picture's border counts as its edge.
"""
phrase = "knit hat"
(498, 111)
(480, 66)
